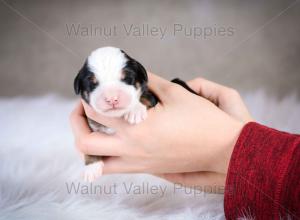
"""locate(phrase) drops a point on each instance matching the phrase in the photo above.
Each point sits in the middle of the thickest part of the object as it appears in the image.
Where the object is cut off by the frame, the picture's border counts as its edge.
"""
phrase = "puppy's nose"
(112, 100)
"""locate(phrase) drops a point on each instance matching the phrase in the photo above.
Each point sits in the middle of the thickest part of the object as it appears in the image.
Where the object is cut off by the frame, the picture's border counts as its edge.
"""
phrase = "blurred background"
(253, 46)
(248, 45)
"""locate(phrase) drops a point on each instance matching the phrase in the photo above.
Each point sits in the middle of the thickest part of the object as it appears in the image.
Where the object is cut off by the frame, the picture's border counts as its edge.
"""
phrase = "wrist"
(227, 143)
(233, 137)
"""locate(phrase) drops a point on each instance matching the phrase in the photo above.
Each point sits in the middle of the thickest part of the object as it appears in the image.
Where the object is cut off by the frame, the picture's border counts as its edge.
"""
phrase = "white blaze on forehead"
(107, 63)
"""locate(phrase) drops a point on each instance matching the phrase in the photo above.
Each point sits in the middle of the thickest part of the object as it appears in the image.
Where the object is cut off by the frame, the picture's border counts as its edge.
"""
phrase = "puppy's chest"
(95, 126)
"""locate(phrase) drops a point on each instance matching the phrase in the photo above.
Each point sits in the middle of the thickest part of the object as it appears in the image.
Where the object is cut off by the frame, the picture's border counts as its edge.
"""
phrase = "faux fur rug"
(40, 169)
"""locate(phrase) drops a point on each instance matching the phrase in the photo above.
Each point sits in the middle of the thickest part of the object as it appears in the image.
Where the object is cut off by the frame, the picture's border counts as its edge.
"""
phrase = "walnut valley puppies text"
(149, 30)
(140, 188)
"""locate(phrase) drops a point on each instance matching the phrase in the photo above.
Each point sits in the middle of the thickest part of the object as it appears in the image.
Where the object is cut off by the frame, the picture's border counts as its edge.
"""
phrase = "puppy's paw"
(137, 114)
(93, 171)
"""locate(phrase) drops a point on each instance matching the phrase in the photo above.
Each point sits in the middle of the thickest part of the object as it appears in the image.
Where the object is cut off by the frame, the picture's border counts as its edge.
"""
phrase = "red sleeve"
(263, 180)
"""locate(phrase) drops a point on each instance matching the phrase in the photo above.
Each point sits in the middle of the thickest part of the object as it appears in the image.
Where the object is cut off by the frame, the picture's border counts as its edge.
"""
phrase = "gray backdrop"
(245, 44)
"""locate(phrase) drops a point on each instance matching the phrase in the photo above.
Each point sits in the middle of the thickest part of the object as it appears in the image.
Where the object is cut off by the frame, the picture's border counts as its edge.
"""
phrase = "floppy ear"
(141, 76)
(78, 80)
(77, 84)
(140, 73)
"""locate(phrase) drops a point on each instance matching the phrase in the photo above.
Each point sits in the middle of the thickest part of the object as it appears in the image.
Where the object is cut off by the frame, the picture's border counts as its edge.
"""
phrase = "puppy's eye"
(92, 79)
(129, 80)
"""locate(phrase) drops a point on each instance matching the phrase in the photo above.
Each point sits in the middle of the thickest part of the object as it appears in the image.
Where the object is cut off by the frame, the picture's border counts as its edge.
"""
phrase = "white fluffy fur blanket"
(38, 164)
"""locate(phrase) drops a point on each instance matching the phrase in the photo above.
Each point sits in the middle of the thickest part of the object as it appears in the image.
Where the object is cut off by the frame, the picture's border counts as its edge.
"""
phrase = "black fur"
(134, 73)
(84, 82)
(152, 98)
(183, 84)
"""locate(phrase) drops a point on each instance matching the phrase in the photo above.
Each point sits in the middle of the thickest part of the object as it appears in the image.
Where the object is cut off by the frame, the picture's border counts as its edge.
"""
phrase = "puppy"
(114, 85)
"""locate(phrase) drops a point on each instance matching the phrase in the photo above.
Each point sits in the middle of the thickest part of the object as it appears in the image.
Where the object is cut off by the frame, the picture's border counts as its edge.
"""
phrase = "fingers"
(158, 85)
(205, 181)
(93, 143)
(111, 122)
(78, 121)
(227, 99)
(100, 144)
(78, 124)
(114, 165)
(207, 89)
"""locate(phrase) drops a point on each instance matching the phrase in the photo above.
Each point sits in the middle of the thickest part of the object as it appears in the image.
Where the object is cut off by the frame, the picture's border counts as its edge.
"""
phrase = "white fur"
(93, 171)
(137, 114)
(107, 64)
(37, 159)
(130, 90)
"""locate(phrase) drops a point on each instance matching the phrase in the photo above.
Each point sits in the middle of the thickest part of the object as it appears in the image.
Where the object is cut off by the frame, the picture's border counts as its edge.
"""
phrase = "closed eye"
(93, 79)
(129, 80)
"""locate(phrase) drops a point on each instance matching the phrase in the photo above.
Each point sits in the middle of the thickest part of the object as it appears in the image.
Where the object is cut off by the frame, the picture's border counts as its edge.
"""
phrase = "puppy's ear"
(77, 84)
(79, 80)
(133, 67)
(141, 74)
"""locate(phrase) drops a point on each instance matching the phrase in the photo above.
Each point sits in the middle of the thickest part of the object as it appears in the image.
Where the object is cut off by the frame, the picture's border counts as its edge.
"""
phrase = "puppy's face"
(111, 81)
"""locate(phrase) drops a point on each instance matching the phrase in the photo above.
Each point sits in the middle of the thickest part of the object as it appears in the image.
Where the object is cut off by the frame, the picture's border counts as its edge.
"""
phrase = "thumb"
(227, 99)
(158, 85)
(207, 89)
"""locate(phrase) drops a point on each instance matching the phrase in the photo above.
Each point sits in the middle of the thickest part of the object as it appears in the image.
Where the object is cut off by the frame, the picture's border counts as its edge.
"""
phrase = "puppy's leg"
(93, 171)
(137, 114)
(94, 164)
(93, 168)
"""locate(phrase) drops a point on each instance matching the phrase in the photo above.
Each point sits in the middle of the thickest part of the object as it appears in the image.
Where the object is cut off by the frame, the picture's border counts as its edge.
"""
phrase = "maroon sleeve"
(263, 180)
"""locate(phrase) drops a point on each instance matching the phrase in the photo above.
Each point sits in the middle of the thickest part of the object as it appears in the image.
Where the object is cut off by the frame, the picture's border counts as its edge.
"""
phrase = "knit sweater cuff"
(258, 174)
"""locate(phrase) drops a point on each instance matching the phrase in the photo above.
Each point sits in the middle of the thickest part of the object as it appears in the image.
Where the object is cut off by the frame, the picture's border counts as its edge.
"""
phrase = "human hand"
(230, 102)
(183, 133)
(227, 99)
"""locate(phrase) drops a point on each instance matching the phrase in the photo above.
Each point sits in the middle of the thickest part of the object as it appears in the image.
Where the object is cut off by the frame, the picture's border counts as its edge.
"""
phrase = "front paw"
(137, 114)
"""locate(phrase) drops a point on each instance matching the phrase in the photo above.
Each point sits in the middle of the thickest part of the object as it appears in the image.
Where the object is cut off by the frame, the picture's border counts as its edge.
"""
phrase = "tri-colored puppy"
(114, 85)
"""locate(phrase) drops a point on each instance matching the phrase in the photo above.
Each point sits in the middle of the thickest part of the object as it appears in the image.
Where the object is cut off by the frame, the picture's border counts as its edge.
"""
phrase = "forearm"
(263, 175)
